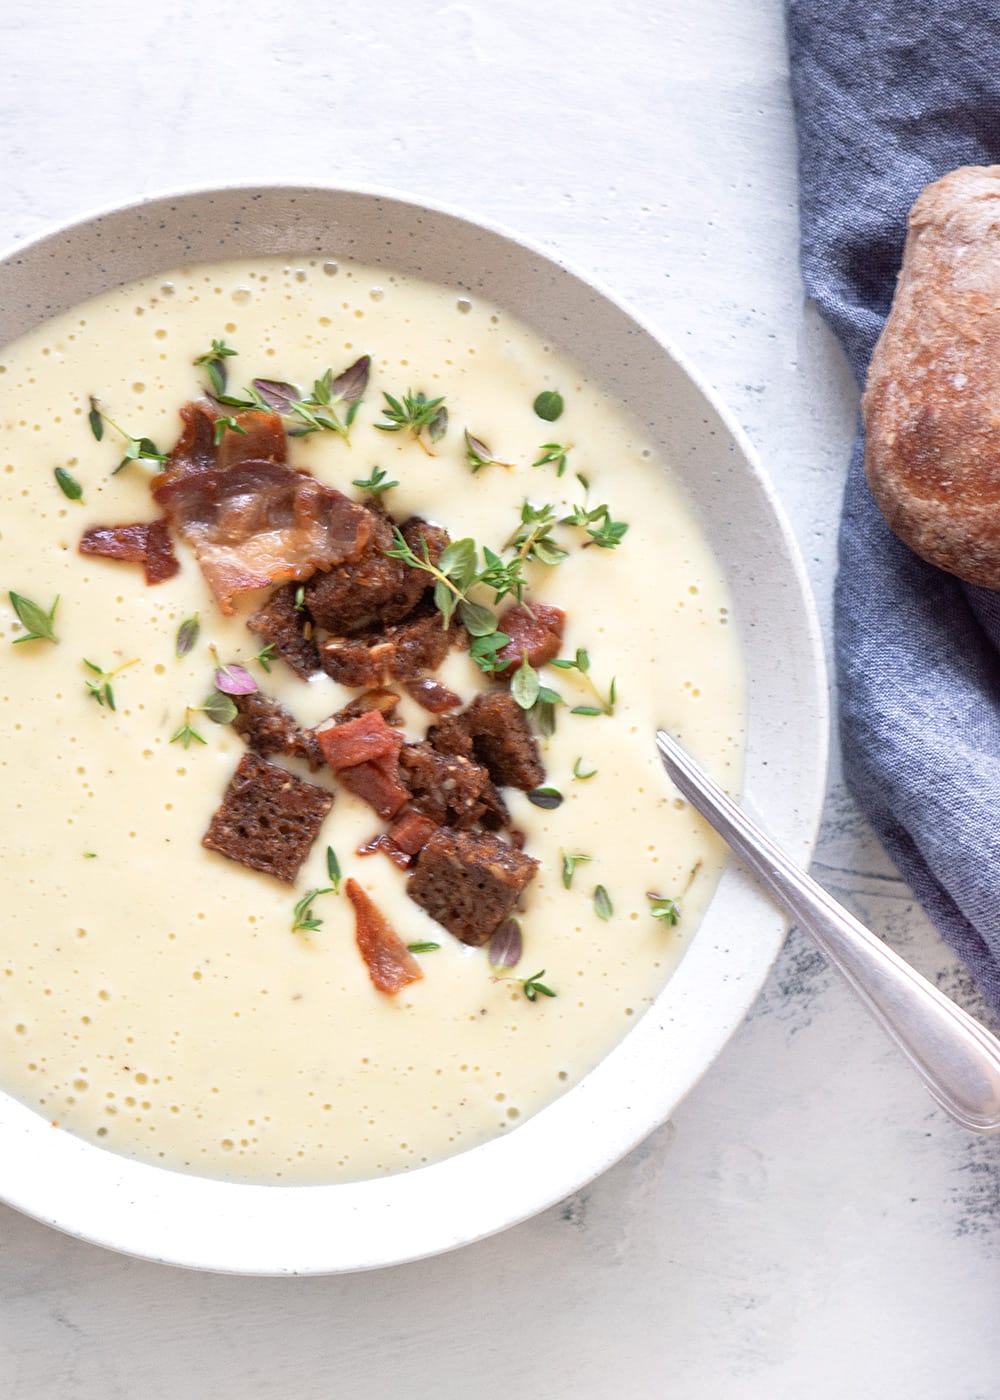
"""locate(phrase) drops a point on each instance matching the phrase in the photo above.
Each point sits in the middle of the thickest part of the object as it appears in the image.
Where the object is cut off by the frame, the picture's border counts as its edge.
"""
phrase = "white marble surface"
(809, 1223)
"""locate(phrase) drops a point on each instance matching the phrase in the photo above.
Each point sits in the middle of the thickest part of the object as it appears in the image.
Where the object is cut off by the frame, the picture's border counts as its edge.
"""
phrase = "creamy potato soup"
(154, 997)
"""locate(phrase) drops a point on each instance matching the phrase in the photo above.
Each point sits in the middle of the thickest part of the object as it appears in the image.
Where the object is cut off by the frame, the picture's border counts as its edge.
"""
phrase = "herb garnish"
(455, 573)
(569, 864)
(532, 538)
(478, 455)
(525, 685)
(376, 484)
(101, 688)
(485, 652)
(506, 945)
(227, 424)
(603, 531)
(219, 708)
(265, 656)
(533, 697)
(504, 576)
(549, 405)
(554, 453)
(310, 413)
(185, 734)
(581, 664)
(580, 775)
(142, 449)
(300, 598)
(68, 484)
(603, 907)
(422, 947)
(187, 635)
(533, 988)
(667, 909)
(232, 678)
(416, 415)
(303, 918)
(214, 364)
(39, 623)
(548, 798)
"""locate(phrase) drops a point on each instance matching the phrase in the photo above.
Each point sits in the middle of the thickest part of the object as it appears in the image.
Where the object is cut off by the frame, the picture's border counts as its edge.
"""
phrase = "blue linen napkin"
(889, 95)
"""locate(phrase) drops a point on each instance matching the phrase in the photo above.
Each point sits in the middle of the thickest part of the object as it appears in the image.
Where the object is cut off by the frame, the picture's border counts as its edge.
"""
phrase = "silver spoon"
(956, 1057)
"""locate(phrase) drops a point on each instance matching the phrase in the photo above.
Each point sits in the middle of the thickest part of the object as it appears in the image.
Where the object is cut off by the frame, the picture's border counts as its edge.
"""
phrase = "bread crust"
(932, 402)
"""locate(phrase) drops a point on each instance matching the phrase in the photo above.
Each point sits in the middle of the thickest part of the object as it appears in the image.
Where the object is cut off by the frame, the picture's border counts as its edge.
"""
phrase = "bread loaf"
(932, 403)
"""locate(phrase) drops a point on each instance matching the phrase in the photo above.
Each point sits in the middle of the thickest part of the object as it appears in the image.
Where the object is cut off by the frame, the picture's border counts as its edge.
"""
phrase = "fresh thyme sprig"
(315, 412)
(455, 573)
(668, 909)
(303, 918)
(186, 734)
(534, 987)
(423, 418)
(214, 364)
(603, 531)
(39, 624)
(603, 907)
(553, 454)
(101, 689)
(227, 424)
(535, 698)
(533, 537)
(265, 656)
(581, 664)
(580, 775)
(376, 484)
(504, 576)
(478, 455)
(137, 449)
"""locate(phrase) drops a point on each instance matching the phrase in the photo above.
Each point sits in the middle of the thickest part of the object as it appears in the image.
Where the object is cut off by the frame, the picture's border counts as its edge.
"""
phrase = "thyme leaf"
(227, 424)
(569, 864)
(333, 869)
(548, 798)
(506, 945)
(549, 405)
(95, 419)
(219, 708)
(38, 623)
(101, 690)
(186, 735)
(265, 656)
(579, 774)
(187, 635)
(525, 685)
(669, 909)
(303, 918)
(581, 664)
(603, 907)
(422, 947)
(68, 484)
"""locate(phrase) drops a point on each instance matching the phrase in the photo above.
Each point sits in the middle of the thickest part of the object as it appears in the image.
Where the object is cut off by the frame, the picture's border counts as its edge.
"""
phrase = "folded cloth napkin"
(889, 95)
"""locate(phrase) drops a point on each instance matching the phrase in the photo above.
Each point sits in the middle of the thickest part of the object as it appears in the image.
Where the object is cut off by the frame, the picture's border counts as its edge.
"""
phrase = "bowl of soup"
(198, 1061)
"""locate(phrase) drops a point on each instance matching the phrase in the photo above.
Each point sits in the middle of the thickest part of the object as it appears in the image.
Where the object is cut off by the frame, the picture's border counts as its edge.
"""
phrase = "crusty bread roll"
(932, 404)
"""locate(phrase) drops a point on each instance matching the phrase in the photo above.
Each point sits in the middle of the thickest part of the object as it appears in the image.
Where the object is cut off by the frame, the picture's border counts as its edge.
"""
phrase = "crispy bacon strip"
(364, 753)
(146, 543)
(389, 848)
(390, 965)
(537, 632)
(249, 517)
(359, 740)
(411, 832)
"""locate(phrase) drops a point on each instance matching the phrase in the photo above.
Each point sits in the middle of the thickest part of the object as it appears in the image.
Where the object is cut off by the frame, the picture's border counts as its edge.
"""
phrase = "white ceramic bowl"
(189, 1220)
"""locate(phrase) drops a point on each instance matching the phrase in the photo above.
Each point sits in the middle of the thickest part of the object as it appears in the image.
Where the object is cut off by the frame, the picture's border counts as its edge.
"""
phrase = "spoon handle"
(956, 1057)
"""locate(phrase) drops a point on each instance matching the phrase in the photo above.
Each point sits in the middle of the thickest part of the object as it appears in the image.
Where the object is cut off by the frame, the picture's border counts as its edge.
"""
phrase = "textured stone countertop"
(808, 1224)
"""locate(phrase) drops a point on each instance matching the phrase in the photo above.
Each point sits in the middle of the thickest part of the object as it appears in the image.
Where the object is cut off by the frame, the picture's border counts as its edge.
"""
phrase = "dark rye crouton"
(403, 651)
(269, 729)
(288, 629)
(374, 590)
(469, 882)
(494, 731)
(268, 820)
(451, 790)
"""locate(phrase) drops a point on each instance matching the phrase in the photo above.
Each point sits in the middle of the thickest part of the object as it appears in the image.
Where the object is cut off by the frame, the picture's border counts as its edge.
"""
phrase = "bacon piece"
(146, 543)
(411, 832)
(537, 632)
(382, 843)
(432, 695)
(378, 784)
(249, 517)
(364, 753)
(358, 741)
(390, 964)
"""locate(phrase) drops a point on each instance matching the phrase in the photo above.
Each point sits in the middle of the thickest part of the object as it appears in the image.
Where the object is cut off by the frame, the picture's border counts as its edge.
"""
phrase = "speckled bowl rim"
(158, 1214)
